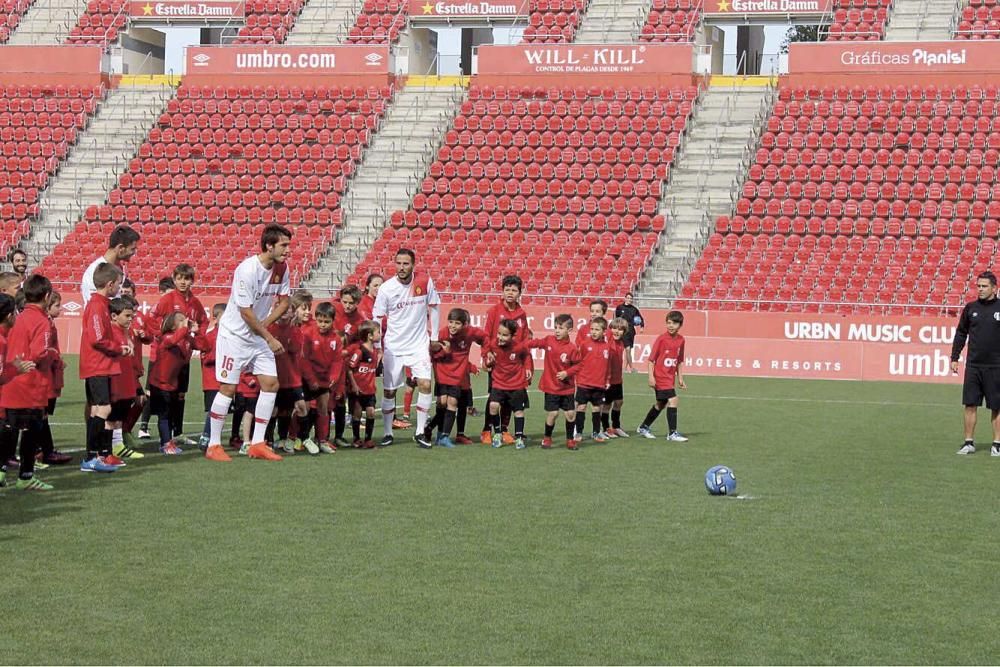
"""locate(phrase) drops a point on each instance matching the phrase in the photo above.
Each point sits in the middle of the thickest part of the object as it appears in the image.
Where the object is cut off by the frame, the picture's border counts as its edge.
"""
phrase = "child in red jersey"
(291, 399)
(451, 371)
(349, 317)
(49, 454)
(592, 375)
(125, 387)
(362, 361)
(367, 303)
(598, 308)
(175, 343)
(611, 412)
(509, 308)
(209, 383)
(181, 299)
(26, 395)
(98, 364)
(322, 350)
(507, 358)
(665, 361)
(148, 330)
(561, 354)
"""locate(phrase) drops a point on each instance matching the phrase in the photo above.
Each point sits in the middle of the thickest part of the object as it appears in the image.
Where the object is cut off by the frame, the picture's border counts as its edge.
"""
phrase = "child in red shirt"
(173, 354)
(125, 387)
(451, 372)
(51, 455)
(507, 359)
(665, 361)
(592, 375)
(362, 361)
(561, 354)
(98, 363)
(291, 398)
(611, 411)
(322, 351)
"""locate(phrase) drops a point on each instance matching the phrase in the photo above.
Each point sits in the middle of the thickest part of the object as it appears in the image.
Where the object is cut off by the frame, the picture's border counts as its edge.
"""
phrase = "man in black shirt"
(980, 325)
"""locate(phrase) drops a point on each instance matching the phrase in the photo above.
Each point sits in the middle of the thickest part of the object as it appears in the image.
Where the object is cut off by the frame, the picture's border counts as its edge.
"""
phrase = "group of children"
(328, 370)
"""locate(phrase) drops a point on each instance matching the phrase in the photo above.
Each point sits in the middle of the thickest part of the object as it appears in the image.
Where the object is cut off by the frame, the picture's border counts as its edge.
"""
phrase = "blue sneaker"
(445, 441)
(96, 465)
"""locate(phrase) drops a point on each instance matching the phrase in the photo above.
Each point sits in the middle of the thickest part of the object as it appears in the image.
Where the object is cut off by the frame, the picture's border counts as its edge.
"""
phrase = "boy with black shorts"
(507, 358)
(561, 354)
(611, 412)
(362, 363)
(665, 361)
(509, 308)
(125, 387)
(26, 396)
(291, 399)
(592, 375)
(147, 328)
(451, 372)
(98, 363)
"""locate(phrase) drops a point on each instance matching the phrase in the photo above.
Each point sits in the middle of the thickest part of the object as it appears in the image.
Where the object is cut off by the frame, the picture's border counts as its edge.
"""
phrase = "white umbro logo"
(72, 306)
(201, 60)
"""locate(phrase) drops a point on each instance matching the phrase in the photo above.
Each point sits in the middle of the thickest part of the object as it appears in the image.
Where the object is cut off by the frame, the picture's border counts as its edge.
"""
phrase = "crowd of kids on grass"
(328, 370)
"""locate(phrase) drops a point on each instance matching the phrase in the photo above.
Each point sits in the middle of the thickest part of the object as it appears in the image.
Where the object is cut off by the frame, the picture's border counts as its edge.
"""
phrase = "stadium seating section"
(564, 166)
(858, 20)
(379, 22)
(239, 157)
(860, 199)
(100, 23)
(37, 127)
(553, 21)
(11, 12)
(671, 21)
(268, 21)
(980, 19)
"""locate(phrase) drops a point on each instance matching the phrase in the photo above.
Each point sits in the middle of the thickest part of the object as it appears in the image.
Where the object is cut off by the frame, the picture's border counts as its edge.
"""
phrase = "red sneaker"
(546, 443)
(261, 451)
(368, 444)
(358, 444)
(508, 439)
(486, 438)
(216, 453)
(571, 444)
(113, 460)
(462, 440)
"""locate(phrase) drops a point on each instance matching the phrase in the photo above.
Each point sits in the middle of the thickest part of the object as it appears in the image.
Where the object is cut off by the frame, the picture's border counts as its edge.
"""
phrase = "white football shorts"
(394, 367)
(234, 356)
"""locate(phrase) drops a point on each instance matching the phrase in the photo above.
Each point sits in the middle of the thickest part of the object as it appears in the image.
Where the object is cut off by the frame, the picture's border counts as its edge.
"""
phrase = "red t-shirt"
(616, 348)
(363, 364)
(173, 302)
(594, 369)
(174, 354)
(208, 379)
(98, 352)
(248, 387)
(667, 354)
(366, 305)
(560, 355)
(289, 335)
(125, 385)
(324, 353)
(31, 339)
(500, 312)
(452, 367)
(508, 367)
(347, 323)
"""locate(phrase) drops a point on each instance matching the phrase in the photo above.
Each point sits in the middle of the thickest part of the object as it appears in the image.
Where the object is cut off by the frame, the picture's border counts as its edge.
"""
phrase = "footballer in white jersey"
(122, 246)
(405, 302)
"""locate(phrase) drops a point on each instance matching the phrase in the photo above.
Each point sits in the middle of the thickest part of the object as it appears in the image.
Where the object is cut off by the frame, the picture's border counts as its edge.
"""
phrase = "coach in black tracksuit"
(980, 325)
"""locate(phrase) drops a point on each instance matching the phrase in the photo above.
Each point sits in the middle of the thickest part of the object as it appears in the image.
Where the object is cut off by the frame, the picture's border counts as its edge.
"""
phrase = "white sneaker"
(310, 446)
(288, 446)
(995, 450)
(621, 433)
(968, 448)
(244, 448)
(676, 437)
(645, 432)
(326, 448)
(143, 433)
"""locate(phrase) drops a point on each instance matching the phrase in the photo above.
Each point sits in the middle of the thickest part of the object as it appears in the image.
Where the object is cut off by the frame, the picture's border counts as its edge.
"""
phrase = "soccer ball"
(720, 481)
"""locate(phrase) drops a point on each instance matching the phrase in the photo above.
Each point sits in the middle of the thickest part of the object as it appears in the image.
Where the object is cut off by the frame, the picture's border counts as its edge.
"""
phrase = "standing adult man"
(122, 246)
(628, 312)
(19, 262)
(245, 344)
(405, 301)
(980, 325)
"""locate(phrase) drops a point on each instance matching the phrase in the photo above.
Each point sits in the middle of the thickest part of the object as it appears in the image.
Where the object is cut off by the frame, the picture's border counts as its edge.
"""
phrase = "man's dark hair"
(14, 253)
(123, 235)
(409, 253)
(120, 304)
(166, 284)
(512, 281)
(459, 315)
(37, 289)
(988, 275)
(272, 234)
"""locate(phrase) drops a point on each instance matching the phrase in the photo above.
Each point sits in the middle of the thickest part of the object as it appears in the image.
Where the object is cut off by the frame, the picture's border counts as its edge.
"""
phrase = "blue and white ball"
(720, 481)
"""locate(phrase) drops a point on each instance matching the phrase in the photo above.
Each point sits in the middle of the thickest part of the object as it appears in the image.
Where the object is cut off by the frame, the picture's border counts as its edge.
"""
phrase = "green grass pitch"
(863, 539)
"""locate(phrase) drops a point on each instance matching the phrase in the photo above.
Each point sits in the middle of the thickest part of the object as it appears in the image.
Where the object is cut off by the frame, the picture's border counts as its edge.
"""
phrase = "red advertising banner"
(40, 65)
(466, 9)
(170, 11)
(291, 65)
(741, 8)
(884, 62)
(593, 63)
(738, 344)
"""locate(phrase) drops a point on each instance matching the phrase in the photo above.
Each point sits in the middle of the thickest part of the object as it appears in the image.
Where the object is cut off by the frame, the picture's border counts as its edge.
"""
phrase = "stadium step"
(47, 22)
(711, 163)
(91, 170)
(324, 22)
(390, 173)
(612, 21)
(923, 20)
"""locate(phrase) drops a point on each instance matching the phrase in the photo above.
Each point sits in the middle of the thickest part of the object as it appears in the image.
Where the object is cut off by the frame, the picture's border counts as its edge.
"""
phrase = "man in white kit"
(404, 302)
(122, 246)
(258, 298)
